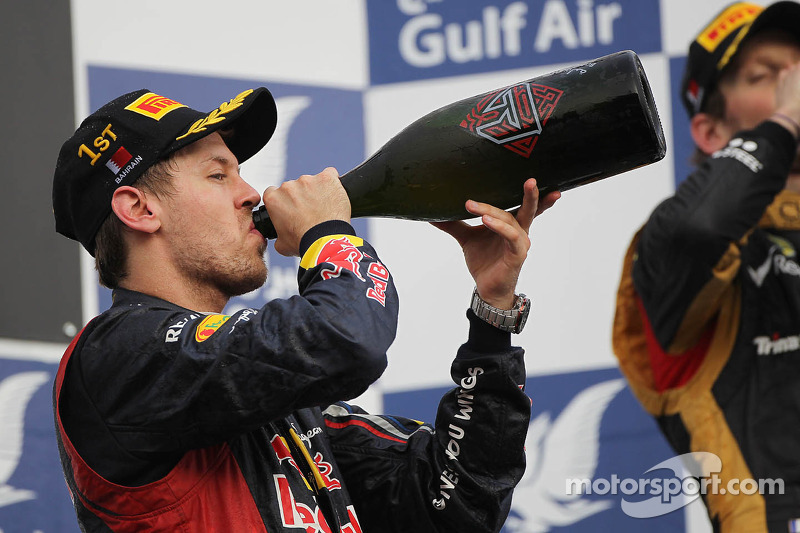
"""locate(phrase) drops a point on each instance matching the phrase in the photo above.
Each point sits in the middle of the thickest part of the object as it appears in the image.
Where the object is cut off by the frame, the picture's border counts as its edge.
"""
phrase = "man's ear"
(134, 208)
(709, 133)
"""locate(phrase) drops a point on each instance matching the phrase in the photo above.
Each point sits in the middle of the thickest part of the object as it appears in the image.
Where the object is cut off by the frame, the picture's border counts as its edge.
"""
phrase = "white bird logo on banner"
(557, 451)
(15, 393)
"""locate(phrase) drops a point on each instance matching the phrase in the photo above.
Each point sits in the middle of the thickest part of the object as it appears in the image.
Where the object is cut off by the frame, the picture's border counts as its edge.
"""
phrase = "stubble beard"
(228, 275)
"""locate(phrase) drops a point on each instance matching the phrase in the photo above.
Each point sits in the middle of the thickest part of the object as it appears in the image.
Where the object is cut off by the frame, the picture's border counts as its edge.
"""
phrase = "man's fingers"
(530, 202)
(547, 202)
(480, 209)
(517, 241)
(457, 228)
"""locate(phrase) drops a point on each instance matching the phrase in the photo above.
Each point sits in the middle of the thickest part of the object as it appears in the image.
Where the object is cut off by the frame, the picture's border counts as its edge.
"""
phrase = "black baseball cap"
(116, 144)
(717, 44)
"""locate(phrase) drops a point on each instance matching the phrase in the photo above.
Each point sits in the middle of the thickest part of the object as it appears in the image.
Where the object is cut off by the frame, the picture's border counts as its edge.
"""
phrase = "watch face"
(523, 317)
(522, 320)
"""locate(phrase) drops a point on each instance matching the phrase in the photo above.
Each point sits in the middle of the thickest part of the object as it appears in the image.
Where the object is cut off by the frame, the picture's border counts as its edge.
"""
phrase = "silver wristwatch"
(512, 320)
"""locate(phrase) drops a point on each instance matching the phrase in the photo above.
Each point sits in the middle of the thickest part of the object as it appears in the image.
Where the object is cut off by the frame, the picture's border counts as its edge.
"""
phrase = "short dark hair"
(714, 105)
(111, 250)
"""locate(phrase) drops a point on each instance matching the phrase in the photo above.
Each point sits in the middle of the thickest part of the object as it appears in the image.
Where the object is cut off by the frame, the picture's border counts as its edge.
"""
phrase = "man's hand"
(787, 95)
(787, 114)
(298, 205)
(496, 250)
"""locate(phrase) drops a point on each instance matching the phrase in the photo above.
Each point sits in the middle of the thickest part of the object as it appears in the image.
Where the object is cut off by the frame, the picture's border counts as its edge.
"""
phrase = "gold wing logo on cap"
(216, 116)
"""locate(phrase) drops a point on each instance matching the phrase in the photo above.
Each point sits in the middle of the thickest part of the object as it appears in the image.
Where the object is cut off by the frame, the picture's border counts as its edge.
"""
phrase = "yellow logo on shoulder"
(729, 21)
(785, 246)
(209, 326)
(153, 106)
(331, 246)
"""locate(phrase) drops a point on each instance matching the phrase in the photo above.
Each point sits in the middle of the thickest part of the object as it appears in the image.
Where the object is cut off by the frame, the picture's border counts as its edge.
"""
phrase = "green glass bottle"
(567, 128)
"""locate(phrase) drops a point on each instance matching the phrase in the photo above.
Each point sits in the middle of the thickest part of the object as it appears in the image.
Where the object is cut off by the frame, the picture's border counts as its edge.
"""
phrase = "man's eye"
(761, 75)
(217, 176)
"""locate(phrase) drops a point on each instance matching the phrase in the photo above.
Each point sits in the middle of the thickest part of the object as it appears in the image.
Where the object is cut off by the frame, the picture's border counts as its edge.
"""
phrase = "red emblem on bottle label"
(514, 116)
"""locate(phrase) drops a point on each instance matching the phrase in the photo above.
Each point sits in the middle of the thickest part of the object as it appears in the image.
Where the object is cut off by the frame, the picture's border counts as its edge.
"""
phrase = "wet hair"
(111, 250)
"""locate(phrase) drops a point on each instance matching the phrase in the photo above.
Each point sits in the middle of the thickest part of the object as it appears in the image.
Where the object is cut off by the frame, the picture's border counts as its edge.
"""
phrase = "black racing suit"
(707, 328)
(174, 420)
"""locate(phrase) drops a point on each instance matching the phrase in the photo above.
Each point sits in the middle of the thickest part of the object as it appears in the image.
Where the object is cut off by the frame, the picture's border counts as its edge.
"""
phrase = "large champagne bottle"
(565, 129)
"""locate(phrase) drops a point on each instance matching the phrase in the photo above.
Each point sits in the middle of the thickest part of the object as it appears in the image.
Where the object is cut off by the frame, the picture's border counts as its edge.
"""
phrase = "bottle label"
(514, 116)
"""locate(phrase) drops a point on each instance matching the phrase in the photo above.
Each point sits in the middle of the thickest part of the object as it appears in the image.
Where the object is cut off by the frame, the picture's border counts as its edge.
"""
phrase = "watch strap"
(511, 320)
